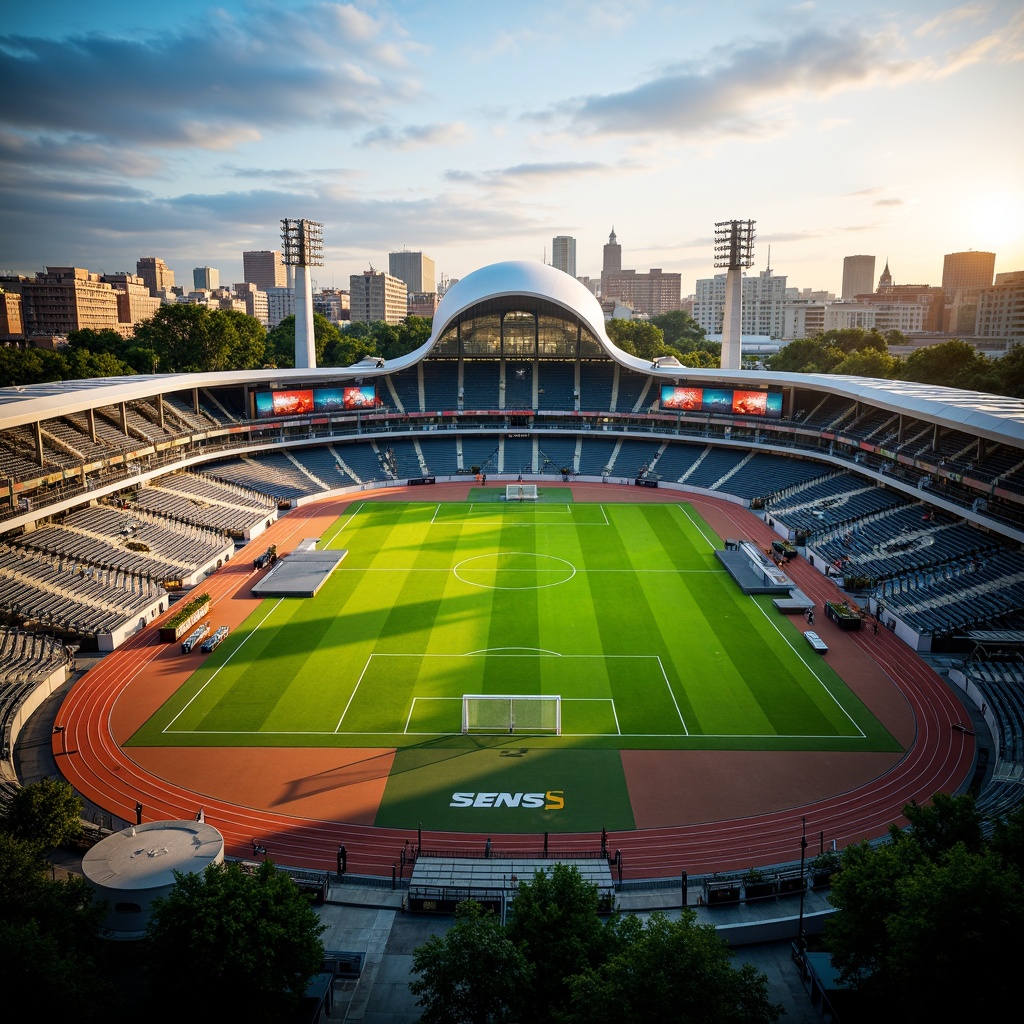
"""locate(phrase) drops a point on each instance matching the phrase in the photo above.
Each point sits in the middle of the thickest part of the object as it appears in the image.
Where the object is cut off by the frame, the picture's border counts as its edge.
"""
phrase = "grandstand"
(911, 495)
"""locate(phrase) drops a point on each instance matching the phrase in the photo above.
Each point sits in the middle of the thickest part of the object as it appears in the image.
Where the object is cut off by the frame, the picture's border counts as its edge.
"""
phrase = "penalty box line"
(407, 731)
(603, 657)
(498, 513)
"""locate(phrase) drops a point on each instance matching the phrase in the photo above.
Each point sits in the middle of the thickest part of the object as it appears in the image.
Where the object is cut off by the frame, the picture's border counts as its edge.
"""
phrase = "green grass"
(622, 610)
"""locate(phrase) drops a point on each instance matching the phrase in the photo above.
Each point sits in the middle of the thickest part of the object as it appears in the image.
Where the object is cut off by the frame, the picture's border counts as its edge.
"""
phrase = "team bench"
(816, 642)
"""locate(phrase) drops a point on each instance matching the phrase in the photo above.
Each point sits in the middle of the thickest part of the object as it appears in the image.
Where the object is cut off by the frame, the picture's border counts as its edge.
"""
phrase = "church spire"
(885, 281)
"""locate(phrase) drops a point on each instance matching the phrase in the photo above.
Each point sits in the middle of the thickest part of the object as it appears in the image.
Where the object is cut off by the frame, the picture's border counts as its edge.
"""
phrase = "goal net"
(520, 492)
(511, 713)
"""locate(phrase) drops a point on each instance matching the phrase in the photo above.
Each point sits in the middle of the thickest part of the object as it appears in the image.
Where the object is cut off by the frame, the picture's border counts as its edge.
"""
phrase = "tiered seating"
(596, 455)
(677, 459)
(320, 461)
(109, 435)
(440, 455)
(407, 460)
(480, 384)
(555, 384)
(631, 386)
(177, 408)
(98, 536)
(518, 455)
(407, 387)
(64, 430)
(834, 500)
(28, 657)
(518, 384)
(763, 474)
(480, 451)
(68, 596)
(363, 461)
(825, 413)
(634, 456)
(223, 405)
(1002, 684)
(967, 595)
(556, 454)
(717, 462)
(271, 473)
(201, 501)
(902, 540)
(441, 384)
(596, 382)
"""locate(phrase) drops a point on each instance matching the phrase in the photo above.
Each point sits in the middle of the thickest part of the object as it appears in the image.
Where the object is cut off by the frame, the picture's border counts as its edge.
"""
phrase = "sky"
(476, 131)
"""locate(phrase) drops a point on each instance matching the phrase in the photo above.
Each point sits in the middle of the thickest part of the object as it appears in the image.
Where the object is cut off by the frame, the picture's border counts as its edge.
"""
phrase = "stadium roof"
(994, 417)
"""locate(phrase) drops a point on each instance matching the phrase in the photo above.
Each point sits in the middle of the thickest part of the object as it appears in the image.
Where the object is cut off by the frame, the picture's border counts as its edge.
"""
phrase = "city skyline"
(187, 132)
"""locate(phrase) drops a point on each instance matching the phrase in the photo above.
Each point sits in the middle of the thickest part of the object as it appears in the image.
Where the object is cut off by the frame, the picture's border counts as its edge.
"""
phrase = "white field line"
(167, 728)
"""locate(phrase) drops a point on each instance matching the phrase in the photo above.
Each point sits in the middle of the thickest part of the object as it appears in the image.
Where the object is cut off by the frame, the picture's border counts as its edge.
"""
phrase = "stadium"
(518, 586)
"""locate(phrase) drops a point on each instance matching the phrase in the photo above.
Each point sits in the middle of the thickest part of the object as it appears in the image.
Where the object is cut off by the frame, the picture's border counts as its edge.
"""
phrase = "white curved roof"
(520, 277)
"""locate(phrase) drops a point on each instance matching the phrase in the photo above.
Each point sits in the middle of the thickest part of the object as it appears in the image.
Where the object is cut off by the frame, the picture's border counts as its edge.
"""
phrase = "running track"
(940, 756)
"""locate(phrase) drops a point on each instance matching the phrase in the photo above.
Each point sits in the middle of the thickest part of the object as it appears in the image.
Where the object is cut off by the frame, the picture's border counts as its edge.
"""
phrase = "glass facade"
(517, 327)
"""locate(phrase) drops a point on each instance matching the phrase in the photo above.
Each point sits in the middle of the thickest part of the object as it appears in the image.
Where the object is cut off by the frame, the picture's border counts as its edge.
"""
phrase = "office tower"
(303, 247)
(205, 279)
(264, 269)
(734, 250)
(653, 293)
(255, 299)
(11, 325)
(280, 305)
(374, 296)
(611, 262)
(415, 269)
(158, 277)
(563, 254)
(858, 276)
(1000, 311)
(968, 271)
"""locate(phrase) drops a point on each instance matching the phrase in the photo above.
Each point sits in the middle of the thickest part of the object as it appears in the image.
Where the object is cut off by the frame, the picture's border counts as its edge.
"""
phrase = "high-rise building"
(653, 293)
(65, 299)
(157, 276)
(611, 262)
(205, 278)
(415, 269)
(280, 305)
(255, 299)
(264, 269)
(374, 295)
(1001, 308)
(858, 276)
(563, 254)
(968, 271)
(135, 303)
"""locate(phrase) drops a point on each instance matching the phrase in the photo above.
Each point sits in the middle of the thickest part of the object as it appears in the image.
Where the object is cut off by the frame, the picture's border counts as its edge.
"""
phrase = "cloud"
(208, 86)
(943, 22)
(533, 173)
(888, 202)
(418, 136)
(733, 95)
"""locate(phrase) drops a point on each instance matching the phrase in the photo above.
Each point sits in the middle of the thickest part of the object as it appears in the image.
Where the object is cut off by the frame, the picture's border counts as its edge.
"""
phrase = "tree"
(954, 364)
(472, 974)
(679, 329)
(554, 921)
(248, 942)
(280, 341)
(669, 971)
(47, 813)
(48, 937)
(806, 355)
(638, 337)
(935, 902)
(869, 362)
(246, 339)
(181, 335)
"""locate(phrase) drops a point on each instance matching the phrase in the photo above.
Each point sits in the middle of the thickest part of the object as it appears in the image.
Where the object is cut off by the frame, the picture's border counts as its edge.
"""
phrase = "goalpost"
(511, 713)
(520, 492)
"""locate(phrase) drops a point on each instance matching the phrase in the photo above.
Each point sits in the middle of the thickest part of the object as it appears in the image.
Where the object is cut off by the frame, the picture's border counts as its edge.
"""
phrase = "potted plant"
(822, 868)
(757, 885)
(843, 615)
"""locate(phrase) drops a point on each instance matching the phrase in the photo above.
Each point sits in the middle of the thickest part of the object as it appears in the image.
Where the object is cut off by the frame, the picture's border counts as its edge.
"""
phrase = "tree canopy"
(248, 942)
(557, 960)
(47, 813)
(935, 902)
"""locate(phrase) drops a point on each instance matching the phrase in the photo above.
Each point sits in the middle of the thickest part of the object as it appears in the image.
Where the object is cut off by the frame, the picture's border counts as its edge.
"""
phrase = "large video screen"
(722, 401)
(315, 400)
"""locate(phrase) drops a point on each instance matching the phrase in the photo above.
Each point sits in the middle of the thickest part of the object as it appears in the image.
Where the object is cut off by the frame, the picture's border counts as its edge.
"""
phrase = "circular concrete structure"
(133, 867)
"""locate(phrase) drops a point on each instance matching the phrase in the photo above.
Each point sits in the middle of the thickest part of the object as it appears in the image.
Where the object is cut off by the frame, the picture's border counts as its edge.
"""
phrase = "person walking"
(487, 847)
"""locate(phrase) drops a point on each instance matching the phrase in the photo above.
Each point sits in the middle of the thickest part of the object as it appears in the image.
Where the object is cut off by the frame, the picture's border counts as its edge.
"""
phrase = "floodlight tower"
(734, 249)
(302, 247)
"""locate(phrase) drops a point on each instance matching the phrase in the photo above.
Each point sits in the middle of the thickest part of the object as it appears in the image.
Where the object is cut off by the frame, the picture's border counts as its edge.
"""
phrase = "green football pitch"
(622, 611)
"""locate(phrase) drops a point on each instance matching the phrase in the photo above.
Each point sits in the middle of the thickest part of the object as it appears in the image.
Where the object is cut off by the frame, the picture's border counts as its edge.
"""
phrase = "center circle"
(514, 570)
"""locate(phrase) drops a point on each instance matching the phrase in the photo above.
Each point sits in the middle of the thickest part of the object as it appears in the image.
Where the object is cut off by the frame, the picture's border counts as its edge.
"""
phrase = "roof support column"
(37, 437)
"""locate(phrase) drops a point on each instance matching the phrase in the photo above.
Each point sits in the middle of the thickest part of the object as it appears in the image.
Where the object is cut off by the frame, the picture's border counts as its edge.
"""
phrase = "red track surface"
(88, 751)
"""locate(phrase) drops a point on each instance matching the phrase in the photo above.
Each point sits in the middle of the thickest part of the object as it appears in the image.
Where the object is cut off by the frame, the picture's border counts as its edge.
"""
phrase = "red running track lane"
(940, 757)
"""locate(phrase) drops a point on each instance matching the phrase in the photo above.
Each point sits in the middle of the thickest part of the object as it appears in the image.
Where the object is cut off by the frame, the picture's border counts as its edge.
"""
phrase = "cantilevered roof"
(993, 417)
